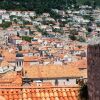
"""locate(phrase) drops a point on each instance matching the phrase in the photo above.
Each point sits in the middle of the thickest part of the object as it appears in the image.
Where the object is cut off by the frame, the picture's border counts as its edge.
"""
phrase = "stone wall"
(93, 60)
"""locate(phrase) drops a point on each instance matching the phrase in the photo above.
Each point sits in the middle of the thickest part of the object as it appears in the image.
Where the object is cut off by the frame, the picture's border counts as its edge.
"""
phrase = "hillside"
(42, 5)
(83, 1)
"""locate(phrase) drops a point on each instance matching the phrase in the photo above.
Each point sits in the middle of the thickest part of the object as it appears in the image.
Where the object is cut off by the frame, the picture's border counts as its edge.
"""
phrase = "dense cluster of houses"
(37, 48)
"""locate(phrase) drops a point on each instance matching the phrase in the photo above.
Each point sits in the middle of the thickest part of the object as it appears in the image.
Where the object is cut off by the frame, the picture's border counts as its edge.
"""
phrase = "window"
(41, 80)
(17, 63)
(20, 63)
(77, 81)
(25, 33)
(56, 82)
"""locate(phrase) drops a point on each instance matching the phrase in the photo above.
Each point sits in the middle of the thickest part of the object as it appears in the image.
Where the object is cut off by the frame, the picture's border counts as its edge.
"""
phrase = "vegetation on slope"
(42, 5)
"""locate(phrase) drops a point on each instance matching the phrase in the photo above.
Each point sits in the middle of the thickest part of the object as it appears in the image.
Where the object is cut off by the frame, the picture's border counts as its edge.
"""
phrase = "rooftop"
(30, 93)
(52, 71)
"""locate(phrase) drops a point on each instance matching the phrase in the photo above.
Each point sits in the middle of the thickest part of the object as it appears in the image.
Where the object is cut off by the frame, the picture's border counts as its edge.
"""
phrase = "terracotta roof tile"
(52, 71)
(2, 98)
(33, 58)
(54, 93)
(79, 64)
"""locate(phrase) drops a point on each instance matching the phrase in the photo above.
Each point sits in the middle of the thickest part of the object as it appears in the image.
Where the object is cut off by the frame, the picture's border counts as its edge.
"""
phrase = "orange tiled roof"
(10, 74)
(27, 51)
(32, 58)
(79, 64)
(11, 79)
(4, 64)
(25, 93)
(52, 71)
(8, 56)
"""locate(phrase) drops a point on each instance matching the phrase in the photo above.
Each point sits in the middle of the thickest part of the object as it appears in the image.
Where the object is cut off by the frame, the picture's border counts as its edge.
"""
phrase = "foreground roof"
(29, 93)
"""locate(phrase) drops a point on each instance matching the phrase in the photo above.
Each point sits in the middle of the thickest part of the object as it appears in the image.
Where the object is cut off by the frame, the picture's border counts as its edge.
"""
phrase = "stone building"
(93, 60)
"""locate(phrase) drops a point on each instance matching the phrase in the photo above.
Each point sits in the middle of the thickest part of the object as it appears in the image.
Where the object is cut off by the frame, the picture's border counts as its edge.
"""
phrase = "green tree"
(73, 34)
(94, 4)
(87, 3)
(41, 6)
(81, 39)
(83, 93)
(26, 38)
(72, 37)
(15, 21)
(17, 34)
(6, 24)
(55, 15)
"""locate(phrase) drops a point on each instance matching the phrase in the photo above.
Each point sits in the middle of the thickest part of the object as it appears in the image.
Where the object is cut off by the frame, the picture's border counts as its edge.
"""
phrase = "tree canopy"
(40, 5)
(84, 92)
